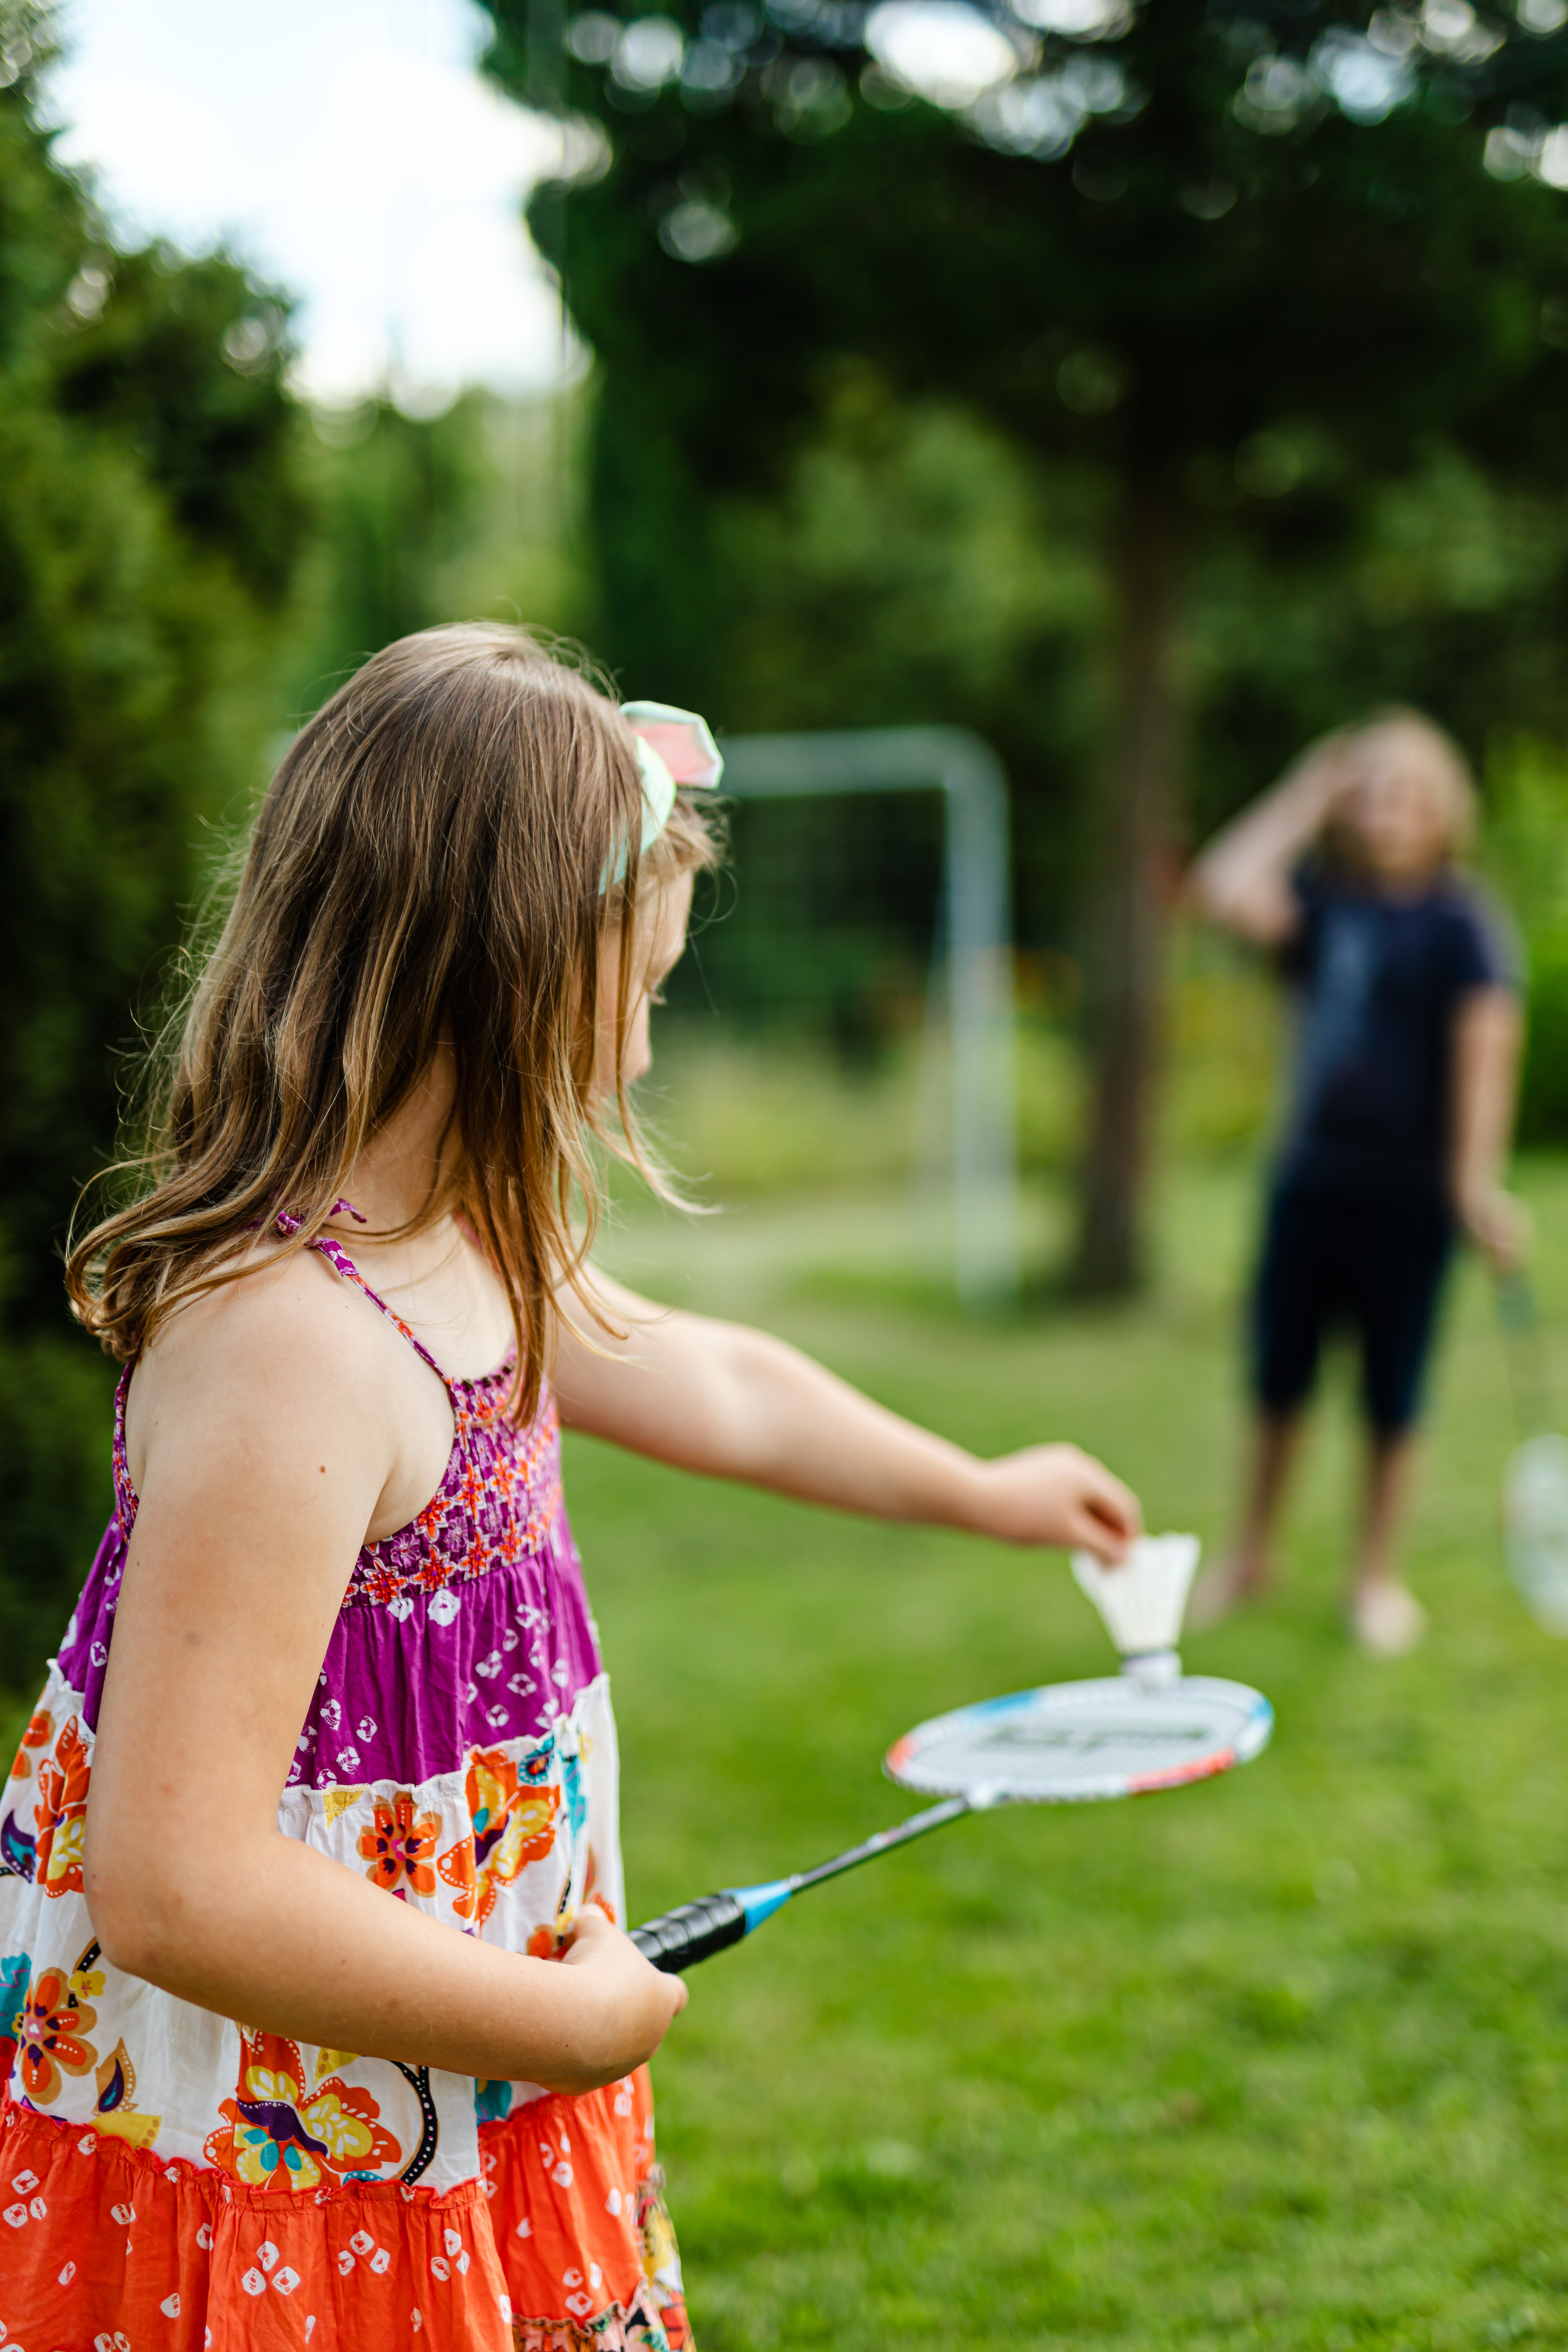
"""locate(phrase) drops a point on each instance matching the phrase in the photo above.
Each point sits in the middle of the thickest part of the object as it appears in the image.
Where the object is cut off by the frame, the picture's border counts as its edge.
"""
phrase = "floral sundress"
(169, 2179)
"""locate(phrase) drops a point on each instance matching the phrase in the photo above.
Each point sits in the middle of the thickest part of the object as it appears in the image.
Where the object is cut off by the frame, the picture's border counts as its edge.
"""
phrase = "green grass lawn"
(1281, 2059)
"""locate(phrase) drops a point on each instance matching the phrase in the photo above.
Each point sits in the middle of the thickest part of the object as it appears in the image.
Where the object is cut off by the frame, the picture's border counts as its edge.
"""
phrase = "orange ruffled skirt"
(105, 2246)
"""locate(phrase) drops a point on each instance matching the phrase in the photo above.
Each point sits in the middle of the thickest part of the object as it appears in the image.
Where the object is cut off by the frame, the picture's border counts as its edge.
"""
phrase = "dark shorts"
(1369, 1265)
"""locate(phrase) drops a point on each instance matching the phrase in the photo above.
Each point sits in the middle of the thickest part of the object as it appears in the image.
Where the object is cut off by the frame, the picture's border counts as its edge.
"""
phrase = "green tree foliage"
(148, 516)
(1445, 588)
(1242, 267)
(415, 520)
(913, 565)
(1526, 851)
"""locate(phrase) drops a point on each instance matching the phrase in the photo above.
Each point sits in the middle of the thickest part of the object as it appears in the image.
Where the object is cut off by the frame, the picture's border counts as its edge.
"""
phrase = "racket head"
(1081, 1743)
(1535, 1528)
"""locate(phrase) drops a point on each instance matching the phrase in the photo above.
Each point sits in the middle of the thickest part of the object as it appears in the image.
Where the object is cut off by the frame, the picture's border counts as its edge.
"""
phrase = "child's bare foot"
(1386, 1618)
(1226, 1587)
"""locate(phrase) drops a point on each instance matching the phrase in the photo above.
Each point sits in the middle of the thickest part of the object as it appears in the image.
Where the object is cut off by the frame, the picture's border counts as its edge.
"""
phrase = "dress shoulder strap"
(332, 1249)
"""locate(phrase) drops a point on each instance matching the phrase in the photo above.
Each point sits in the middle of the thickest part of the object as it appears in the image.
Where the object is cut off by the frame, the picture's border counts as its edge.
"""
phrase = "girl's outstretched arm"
(738, 1404)
(265, 1413)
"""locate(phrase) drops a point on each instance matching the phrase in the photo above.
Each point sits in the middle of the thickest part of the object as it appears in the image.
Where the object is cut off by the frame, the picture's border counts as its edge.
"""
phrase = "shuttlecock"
(1143, 1601)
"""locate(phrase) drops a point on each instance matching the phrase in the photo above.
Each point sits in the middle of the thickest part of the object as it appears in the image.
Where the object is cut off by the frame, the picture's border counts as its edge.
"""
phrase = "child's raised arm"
(737, 1403)
(265, 1416)
(1242, 880)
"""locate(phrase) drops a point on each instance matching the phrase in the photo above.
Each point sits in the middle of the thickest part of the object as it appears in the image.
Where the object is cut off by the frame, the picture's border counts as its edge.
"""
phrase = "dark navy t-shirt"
(1379, 980)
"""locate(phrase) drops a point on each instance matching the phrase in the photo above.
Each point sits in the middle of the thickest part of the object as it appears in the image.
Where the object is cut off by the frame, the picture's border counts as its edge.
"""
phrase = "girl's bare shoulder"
(284, 1326)
(266, 1400)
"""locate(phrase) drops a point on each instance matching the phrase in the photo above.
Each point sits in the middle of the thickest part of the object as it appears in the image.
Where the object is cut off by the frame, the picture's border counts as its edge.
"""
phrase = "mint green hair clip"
(674, 748)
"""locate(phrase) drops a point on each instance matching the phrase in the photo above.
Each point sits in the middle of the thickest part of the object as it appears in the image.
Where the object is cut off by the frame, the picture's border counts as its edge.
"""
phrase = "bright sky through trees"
(346, 148)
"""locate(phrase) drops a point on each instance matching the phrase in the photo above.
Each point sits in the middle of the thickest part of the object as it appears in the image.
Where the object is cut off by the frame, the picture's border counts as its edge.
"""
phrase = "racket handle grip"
(678, 1939)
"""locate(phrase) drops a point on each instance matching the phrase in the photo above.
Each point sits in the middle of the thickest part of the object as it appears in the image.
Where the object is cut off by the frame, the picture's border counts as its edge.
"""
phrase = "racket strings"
(1080, 1740)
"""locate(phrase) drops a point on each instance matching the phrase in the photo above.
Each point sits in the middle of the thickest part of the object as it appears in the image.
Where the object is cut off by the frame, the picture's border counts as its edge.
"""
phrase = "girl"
(321, 2025)
(1403, 1108)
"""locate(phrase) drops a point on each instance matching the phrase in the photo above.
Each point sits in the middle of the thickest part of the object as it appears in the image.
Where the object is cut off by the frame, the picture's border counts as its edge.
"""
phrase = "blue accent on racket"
(760, 1903)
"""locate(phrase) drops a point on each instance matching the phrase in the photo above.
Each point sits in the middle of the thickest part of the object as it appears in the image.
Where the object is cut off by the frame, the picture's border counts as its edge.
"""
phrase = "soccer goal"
(870, 882)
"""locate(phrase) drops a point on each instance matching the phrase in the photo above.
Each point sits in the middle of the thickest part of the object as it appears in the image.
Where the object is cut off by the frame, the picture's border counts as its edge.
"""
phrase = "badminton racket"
(1125, 1734)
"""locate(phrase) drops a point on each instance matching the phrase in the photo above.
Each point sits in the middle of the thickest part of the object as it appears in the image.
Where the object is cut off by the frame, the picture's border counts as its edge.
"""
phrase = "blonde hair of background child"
(1432, 753)
(426, 866)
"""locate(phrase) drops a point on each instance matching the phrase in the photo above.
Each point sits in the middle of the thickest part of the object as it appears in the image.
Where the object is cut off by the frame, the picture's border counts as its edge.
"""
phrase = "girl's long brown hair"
(427, 864)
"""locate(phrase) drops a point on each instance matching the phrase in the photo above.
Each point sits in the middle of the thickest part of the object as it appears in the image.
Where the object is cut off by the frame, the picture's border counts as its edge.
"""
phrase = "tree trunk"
(1128, 945)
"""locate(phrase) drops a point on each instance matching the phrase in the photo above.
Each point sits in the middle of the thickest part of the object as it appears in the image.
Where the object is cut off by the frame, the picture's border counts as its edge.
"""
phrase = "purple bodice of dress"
(468, 1627)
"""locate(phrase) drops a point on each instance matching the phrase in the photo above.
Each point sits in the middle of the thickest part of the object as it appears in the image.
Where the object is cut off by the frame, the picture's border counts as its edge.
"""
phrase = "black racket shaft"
(678, 1939)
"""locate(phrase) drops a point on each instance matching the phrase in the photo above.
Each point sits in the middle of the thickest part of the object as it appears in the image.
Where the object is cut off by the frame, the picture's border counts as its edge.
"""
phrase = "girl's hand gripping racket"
(1127, 1734)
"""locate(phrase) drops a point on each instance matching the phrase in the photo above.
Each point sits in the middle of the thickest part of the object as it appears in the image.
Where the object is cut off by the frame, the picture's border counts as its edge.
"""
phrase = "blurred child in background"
(1400, 1113)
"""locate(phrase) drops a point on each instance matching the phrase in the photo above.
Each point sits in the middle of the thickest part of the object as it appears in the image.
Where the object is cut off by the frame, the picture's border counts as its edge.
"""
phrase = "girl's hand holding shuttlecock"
(731, 1402)
(1058, 1495)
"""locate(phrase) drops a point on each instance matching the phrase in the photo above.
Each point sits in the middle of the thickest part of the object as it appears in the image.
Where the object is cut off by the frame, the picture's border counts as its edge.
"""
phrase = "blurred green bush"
(417, 520)
(149, 519)
(1543, 1094)
(1227, 1028)
(1525, 853)
(748, 1111)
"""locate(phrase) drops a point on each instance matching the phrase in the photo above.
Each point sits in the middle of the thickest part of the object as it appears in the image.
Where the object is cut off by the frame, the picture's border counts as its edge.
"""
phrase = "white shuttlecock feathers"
(1144, 1600)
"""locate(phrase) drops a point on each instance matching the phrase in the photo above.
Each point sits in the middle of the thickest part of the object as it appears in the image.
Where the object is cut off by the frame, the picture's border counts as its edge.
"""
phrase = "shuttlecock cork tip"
(1143, 1599)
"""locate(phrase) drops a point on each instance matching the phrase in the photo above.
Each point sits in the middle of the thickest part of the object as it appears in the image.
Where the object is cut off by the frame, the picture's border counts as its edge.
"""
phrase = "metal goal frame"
(976, 902)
